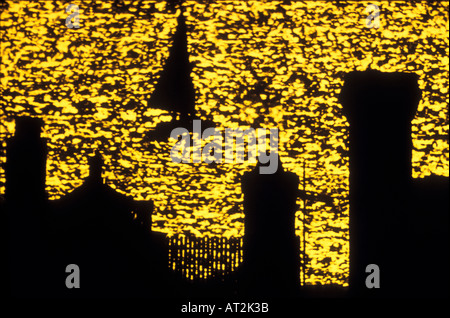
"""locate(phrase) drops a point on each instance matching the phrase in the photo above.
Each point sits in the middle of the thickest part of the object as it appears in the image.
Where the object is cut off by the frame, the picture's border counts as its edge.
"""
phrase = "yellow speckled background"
(91, 86)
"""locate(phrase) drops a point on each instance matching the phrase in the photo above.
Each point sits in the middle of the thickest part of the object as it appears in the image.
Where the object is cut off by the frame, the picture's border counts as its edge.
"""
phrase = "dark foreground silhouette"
(271, 261)
(397, 223)
(106, 234)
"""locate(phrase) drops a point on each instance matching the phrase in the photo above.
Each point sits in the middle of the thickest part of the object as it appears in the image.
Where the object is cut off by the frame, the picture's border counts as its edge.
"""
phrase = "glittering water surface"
(273, 64)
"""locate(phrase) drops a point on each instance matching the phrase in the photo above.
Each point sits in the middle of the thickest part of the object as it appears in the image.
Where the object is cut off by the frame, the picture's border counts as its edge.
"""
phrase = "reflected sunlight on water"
(269, 64)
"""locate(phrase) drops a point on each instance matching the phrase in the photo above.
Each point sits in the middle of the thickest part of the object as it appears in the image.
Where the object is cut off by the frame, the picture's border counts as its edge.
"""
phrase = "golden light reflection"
(270, 63)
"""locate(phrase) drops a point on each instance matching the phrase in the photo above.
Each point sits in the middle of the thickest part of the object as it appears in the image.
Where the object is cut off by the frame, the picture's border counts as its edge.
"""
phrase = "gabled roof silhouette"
(95, 201)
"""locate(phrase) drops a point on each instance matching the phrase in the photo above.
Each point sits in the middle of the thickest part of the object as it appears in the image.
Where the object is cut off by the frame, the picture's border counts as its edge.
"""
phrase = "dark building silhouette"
(25, 167)
(25, 206)
(396, 222)
(271, 263)
(429, 252)
(387, 209)
(107, 234)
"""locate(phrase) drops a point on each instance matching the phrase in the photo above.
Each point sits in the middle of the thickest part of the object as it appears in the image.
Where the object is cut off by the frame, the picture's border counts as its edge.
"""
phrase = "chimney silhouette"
(95, 168)
(271, 262)
(379, 107)
(25, 202)
(26, 158)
